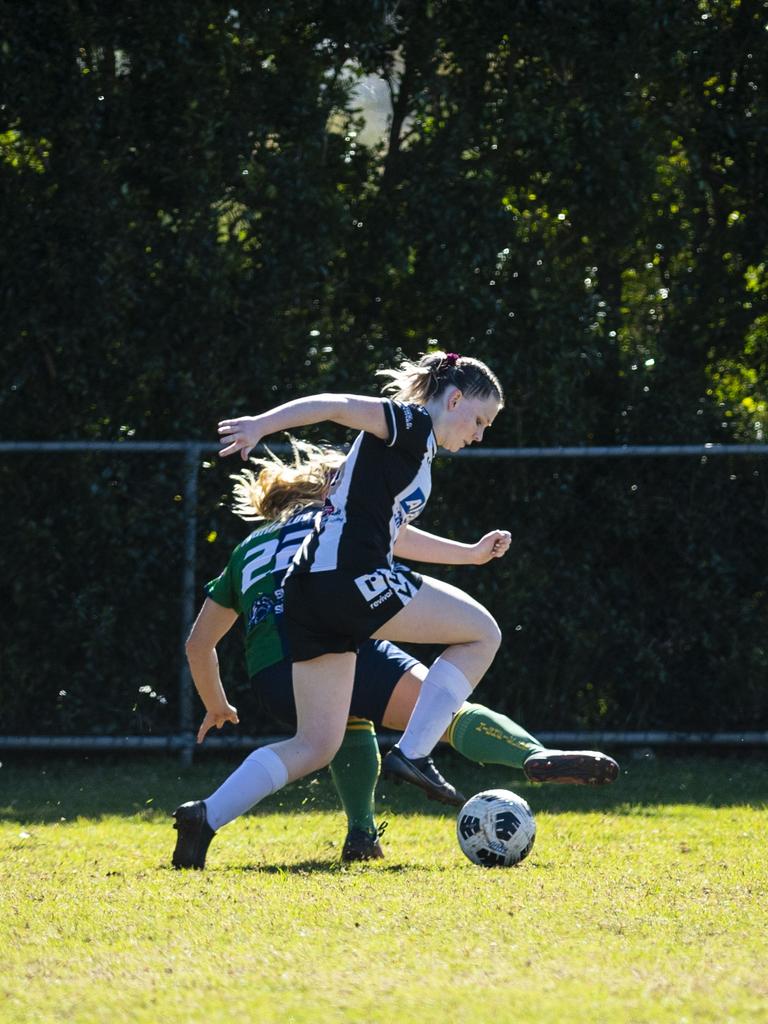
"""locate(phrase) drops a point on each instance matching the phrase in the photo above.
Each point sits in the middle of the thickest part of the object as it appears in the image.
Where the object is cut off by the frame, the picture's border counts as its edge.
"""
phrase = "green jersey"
(251, 585)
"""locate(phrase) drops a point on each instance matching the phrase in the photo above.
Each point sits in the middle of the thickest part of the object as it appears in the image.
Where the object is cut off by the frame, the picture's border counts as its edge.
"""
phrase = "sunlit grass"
(644, 901)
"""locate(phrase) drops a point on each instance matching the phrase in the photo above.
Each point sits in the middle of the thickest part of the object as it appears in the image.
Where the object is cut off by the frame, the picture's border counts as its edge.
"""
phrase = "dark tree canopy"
(195, 224)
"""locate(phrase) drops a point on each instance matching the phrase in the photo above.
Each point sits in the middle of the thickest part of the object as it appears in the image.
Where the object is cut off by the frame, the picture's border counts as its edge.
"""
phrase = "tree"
(192, 226)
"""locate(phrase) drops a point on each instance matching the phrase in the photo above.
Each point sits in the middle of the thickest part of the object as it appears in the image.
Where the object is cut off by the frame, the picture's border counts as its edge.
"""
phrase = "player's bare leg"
(443, 614)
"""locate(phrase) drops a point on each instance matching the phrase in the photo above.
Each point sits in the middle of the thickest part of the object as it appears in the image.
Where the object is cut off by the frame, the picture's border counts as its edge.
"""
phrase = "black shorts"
(334, 612)
(380, 665)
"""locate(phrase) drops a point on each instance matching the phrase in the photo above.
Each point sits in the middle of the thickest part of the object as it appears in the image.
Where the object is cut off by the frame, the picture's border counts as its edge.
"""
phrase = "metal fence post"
(187, 739)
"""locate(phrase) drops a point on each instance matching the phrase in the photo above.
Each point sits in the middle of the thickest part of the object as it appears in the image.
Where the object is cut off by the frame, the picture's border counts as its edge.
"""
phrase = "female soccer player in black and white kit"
(284, 499)
(343, 587)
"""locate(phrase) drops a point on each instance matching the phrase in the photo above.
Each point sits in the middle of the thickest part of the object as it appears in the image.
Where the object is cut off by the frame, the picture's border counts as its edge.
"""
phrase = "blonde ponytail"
(280, 489)
(434, 372)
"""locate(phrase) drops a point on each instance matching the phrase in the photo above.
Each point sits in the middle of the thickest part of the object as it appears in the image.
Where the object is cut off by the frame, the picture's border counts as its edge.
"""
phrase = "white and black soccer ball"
(496, 828)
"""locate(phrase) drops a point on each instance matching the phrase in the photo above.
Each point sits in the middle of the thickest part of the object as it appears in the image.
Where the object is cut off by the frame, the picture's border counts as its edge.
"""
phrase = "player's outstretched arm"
(421, 546)
(354, 411)
(213, 622)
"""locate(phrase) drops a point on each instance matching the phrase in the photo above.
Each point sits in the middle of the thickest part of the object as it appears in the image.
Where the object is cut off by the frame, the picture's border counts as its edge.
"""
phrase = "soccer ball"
(496, 828)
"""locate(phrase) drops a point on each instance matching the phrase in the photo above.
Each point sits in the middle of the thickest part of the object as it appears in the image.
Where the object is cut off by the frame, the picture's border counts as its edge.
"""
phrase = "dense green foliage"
(194, 225)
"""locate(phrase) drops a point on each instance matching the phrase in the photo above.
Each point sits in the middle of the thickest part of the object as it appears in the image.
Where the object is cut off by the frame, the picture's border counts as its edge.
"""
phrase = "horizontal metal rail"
(551, 452)
(182, 742)
(614, 451)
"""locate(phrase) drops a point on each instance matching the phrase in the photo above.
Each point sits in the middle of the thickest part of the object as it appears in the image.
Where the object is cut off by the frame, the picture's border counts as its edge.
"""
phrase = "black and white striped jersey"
(380, 486)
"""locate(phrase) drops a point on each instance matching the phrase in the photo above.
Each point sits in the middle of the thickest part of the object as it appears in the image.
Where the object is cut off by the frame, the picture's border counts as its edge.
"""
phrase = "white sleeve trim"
(390, 413)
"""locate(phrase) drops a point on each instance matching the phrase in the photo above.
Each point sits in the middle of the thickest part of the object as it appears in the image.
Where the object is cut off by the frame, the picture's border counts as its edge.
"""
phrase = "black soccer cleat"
(362, 844)
(194, 835)
(574, 767)
(421, 772)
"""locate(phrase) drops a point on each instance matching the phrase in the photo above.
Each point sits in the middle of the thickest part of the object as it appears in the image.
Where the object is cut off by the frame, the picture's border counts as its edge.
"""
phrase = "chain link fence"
(179, 571)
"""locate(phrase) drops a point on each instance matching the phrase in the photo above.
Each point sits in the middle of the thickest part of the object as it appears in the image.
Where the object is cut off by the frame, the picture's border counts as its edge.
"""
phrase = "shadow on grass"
(303, 867)
(308, 867)
(36, 790)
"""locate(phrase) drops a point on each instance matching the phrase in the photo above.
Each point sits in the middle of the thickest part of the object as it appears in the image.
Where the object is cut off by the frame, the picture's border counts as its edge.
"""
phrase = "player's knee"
(319, 749)
(490, 633)
(331, 743)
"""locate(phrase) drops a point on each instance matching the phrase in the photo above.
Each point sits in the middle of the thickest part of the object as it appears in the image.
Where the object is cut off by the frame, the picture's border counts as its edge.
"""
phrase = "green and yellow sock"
(355, 771)
(488, 737)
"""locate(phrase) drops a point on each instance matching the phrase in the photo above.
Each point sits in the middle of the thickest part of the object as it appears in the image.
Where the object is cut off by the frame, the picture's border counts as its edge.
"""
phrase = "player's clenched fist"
(493, 545)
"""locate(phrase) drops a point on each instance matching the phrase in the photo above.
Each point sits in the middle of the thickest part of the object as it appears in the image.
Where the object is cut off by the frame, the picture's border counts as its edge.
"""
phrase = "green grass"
(641, 902)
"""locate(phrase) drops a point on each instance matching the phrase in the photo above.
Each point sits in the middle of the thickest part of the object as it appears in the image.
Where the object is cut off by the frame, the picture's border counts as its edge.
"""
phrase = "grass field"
(644, 901)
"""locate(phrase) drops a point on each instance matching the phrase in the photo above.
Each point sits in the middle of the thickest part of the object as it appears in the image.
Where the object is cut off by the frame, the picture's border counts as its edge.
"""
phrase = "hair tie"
(452, 358)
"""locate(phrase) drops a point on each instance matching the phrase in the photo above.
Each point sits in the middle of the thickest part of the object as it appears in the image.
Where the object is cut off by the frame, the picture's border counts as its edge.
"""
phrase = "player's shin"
(355, 771)
(443, 691)
(260, 774)
(490, 737)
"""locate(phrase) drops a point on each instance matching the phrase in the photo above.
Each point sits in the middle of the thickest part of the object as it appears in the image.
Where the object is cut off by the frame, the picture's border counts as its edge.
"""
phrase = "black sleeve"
(409, 426)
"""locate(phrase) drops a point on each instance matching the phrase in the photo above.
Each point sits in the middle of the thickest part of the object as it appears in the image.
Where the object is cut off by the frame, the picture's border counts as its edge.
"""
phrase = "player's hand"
(217, 718)
(240, 435)
(493, 545)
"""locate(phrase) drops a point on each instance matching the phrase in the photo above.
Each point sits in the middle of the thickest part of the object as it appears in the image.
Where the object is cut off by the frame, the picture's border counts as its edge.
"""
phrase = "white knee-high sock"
(260, 774)
(442, 693)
